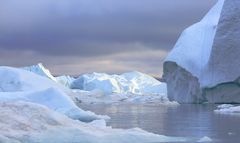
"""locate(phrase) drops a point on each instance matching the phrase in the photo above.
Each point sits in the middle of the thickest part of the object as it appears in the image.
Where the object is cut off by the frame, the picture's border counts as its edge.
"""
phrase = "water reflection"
(184, 120)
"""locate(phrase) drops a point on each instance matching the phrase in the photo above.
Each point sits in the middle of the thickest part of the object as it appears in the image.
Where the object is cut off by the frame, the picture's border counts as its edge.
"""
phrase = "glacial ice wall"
(206, 58)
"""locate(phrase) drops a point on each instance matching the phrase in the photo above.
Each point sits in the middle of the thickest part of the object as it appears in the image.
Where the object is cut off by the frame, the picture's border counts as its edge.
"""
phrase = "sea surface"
(188, 120)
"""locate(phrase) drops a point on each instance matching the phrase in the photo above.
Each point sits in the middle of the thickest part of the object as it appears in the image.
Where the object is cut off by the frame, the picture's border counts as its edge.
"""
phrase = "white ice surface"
(228, 109)
(24, 122)
(65, 80)
(225, 106)
(131, 87)
(205, 140)
(193, 49)
(132, 83)
(95, 97)
(40, 70)
(18, 84)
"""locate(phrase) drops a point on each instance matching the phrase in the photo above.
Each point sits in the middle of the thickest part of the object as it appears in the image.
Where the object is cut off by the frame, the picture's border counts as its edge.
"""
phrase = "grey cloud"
(76, 36)
(90, 28)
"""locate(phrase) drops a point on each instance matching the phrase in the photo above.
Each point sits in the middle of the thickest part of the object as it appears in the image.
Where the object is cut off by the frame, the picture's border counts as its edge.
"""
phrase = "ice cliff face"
(204, 64)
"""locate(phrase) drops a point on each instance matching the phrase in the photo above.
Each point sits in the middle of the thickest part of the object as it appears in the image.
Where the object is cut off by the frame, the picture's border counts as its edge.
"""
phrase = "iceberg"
(126, 83)
(35, 123)
(131, 87)
(228, 109)
(95, 97)
(144, 84)
(205, 139)
(40, 70)
(21, 85)
(65, 80)
(97, 81)
(204, 64)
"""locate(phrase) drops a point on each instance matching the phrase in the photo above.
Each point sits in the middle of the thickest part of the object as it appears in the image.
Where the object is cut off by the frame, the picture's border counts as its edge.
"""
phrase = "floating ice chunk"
(29, 122)
(224, 106)
(229, 110)
(88, 97)
(205, 139)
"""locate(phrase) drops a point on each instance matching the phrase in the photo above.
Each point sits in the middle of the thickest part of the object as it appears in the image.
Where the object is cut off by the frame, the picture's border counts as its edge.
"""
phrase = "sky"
(82, 36)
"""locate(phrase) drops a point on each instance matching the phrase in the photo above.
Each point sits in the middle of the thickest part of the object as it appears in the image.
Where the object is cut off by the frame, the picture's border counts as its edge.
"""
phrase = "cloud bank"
(89, 35)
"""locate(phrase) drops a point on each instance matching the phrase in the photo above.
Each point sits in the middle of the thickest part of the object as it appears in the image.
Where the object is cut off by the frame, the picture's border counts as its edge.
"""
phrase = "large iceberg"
(20, 85)
(204, 64)
(132, 82)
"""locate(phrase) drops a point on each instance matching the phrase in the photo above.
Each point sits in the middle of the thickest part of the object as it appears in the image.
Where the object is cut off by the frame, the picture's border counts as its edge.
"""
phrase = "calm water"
(183, 120)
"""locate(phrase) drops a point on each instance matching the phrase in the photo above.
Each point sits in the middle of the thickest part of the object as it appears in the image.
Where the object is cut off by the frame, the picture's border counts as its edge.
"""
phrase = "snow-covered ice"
(18, 84)
(205, 139)
(33, 123)
(36, 108)
(131, 87)
(132, 82)
(97, 81)
(96, 97)
(40, 70)
(224, 106)
(228, 109)
(204, 64)
(65, 80)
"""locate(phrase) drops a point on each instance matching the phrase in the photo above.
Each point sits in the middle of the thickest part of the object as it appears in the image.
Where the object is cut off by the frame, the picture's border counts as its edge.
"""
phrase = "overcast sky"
(80, 36)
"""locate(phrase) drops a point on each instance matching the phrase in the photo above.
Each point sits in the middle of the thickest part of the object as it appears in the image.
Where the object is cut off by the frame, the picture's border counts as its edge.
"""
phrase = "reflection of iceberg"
(204, 64)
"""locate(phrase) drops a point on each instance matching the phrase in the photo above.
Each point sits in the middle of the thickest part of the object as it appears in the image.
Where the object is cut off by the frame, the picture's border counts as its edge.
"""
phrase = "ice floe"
(25, 122)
